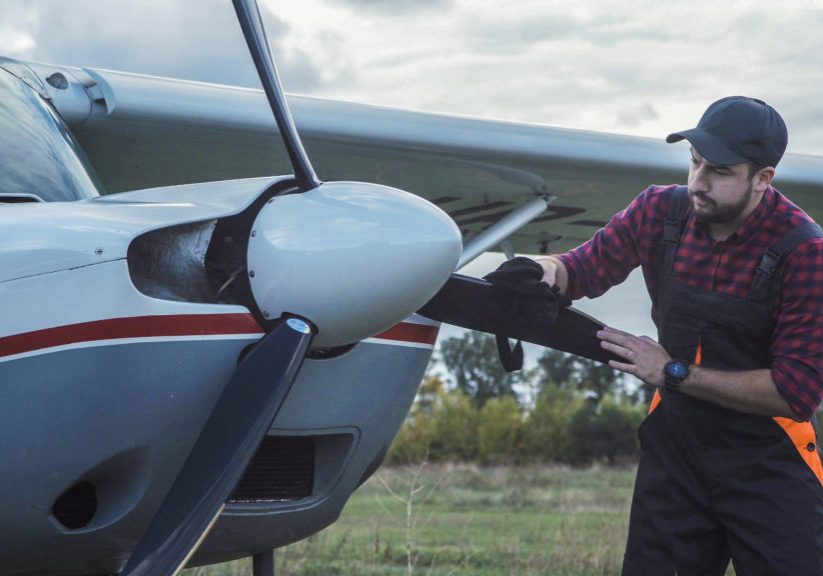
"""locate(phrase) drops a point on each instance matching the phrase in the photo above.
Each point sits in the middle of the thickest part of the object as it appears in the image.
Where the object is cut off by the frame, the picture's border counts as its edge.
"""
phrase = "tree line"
(564, 409)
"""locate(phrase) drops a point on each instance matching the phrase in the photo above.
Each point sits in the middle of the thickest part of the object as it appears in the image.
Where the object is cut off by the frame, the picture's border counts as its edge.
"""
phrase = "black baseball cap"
(738, 129)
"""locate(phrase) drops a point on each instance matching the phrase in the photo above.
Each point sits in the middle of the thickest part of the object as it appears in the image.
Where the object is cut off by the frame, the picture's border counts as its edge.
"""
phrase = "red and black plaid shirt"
(632, 239)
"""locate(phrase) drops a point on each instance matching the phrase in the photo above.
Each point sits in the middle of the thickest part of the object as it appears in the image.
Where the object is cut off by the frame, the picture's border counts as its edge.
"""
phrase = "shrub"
(614, 430)
(546, 433)
(499, 430)
(414, 440)
(455, 428)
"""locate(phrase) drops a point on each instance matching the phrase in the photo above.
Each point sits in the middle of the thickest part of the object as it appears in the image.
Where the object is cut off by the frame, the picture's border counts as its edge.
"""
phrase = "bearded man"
(729, 466)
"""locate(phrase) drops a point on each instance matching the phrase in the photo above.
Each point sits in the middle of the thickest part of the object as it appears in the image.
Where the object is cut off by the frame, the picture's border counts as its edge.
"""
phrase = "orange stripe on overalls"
(804, 439)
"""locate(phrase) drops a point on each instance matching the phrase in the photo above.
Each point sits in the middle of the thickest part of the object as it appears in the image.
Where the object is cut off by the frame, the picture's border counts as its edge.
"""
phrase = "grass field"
(447, 519)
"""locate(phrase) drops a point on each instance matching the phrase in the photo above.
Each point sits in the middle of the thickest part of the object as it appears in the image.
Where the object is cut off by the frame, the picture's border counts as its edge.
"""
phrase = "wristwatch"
(675, 372)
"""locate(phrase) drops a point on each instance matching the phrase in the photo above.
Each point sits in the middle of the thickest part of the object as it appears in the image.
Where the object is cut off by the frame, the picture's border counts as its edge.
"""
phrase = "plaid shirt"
(633, 236)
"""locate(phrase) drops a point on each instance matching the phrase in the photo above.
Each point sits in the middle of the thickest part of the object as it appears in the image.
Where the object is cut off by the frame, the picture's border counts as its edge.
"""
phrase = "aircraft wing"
(141, 132)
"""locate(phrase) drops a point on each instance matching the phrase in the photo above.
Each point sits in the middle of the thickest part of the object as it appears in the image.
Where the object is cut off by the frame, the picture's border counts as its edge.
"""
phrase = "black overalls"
(714, 483)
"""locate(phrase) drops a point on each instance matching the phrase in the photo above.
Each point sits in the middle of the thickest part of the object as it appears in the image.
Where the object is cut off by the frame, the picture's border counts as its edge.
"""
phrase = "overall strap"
(672, 231)
(771, 259)
(673, 228)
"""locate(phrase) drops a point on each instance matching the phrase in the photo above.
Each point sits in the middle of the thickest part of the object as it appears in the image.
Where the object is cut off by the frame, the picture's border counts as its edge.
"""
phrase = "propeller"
(480, 305)
(312, 259)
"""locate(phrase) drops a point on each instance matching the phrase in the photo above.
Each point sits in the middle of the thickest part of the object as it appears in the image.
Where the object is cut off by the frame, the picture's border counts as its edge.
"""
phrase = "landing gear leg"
(263, 563)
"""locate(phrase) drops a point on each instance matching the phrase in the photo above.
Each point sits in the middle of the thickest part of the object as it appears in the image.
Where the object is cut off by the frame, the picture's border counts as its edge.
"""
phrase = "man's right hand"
(554, 272)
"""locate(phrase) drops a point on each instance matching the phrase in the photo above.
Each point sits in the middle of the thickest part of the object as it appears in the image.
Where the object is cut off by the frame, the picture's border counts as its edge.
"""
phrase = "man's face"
(720, 194)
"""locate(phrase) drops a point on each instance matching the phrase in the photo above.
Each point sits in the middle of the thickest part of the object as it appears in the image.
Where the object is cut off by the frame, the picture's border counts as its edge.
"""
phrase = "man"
(729, 467)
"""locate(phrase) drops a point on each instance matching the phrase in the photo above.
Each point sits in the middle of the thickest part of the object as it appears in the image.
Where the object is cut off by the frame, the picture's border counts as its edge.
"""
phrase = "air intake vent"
(76, 506)
(18, 198)
(281, 470)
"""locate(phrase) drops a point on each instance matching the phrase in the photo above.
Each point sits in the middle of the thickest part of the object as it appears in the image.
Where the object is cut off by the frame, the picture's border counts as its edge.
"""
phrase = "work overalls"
(714, 483)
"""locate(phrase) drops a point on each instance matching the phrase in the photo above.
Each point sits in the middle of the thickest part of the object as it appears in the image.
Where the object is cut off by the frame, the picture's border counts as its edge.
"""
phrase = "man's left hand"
(646, 359)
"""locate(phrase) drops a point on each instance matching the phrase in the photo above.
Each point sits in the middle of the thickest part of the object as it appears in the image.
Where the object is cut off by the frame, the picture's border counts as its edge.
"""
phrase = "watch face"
(677, 369)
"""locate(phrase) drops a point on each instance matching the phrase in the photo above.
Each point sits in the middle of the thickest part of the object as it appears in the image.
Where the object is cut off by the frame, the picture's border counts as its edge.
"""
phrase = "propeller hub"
(354, 258)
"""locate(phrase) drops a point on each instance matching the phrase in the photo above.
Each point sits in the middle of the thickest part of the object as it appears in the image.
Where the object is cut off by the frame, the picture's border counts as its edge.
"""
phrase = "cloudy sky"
(637, 67)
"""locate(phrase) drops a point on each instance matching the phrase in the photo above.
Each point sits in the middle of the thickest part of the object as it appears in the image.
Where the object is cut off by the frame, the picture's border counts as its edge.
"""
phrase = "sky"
(639, 67)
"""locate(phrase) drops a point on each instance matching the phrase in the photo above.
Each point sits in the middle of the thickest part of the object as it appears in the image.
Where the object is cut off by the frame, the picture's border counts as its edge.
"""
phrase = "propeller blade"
(239, 421)
(477, 305)
(248, 15)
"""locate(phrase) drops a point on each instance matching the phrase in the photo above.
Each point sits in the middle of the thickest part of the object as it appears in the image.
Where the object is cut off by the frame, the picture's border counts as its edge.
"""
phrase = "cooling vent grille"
(281, 470)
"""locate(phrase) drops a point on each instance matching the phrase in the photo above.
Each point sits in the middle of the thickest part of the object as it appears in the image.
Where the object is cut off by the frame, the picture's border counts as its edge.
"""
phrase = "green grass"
(442, 520)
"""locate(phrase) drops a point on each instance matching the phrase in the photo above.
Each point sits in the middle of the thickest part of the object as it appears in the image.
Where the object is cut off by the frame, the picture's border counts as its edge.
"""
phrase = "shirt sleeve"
(797, 345)
(618, 248)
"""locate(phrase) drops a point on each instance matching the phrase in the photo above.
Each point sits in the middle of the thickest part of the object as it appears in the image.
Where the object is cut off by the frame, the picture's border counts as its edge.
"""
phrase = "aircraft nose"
(354, 258)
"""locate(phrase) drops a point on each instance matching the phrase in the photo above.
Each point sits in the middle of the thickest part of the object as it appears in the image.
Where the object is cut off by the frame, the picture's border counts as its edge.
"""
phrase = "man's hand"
(646, 358)
(554, 272)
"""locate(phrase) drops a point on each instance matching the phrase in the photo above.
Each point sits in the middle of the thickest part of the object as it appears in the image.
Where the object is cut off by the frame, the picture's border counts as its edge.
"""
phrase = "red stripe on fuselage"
(177, 325)
(132, 327)
(406, 332)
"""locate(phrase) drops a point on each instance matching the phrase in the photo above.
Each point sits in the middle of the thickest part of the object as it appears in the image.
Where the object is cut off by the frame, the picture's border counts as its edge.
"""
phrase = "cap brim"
(710, 147)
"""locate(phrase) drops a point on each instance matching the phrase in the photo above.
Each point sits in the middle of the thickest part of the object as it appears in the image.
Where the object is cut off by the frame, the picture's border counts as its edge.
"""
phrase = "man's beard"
(714, 214)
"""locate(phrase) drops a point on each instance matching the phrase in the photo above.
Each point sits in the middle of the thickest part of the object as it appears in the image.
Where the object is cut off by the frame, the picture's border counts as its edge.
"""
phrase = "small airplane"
(201, 362)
